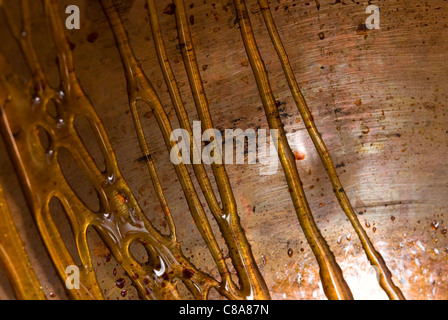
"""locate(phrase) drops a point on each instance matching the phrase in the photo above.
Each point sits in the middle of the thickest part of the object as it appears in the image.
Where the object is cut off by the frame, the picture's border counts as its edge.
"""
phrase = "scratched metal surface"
(379, 98)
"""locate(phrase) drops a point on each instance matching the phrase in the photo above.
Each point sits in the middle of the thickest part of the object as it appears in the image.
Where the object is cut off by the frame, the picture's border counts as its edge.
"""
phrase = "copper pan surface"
(378, 98)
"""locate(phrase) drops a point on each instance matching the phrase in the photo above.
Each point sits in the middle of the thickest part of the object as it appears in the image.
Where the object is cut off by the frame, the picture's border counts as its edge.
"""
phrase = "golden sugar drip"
(252, 284)
(119, 221)
(374, 256)
(14, 259)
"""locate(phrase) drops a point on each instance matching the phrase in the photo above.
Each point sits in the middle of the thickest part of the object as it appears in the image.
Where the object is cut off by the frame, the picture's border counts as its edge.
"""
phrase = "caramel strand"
(332, 279)
(375, 258)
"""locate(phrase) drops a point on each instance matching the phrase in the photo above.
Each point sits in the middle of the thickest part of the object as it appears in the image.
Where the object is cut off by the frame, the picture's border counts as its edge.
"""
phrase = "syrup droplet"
(299, 155)
(120, 283)
(435, 225)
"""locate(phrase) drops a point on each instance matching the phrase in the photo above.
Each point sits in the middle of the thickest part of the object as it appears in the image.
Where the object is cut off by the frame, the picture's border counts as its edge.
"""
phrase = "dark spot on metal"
(145, 158)
(170, 9)
(187, 273)
(340, 165)
(92, 37)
